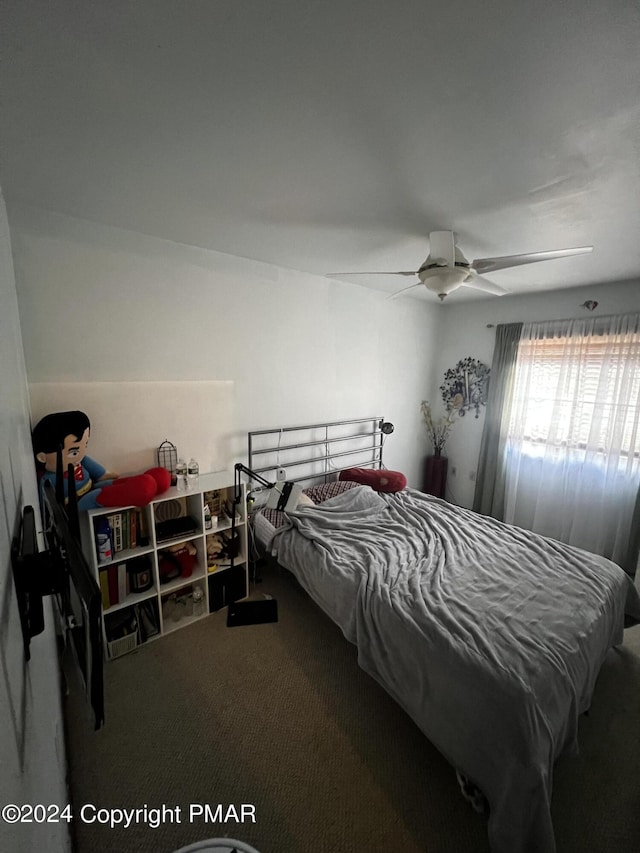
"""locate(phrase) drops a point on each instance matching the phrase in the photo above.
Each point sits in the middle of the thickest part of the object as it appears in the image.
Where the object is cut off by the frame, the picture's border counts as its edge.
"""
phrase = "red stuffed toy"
(68, 433)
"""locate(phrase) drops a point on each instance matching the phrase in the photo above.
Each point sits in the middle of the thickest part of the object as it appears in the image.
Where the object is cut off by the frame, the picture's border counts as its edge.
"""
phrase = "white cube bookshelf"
(168, 603)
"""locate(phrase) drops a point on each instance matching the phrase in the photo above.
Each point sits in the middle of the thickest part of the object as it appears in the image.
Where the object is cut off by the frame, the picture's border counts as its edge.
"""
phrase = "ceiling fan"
(446, 269)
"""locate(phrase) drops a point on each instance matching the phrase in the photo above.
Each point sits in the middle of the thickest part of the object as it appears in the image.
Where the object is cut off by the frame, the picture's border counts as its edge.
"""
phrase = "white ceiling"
(335, 135)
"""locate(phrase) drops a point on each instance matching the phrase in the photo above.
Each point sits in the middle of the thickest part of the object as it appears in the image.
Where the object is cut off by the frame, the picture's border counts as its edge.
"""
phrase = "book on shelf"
(133, 529)
(114, 585)
(104, 589)
(127, 530)
(112, 580)
(142, 531)
(116, 521)
(124, 524)
(122, 581)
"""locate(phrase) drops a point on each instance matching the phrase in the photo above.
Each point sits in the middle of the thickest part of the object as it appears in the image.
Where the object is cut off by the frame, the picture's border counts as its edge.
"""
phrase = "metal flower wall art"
(466, 386)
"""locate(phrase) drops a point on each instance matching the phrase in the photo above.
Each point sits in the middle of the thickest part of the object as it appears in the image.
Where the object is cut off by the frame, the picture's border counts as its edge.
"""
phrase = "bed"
(489, 636)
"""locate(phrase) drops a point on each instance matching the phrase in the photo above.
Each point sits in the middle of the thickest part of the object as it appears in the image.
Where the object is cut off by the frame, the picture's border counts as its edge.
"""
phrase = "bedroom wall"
(464, 333)
(31, 730)
(103, 304)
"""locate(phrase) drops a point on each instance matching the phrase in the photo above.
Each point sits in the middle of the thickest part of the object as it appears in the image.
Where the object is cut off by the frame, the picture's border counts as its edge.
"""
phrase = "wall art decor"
(466, 386)
(438, 431)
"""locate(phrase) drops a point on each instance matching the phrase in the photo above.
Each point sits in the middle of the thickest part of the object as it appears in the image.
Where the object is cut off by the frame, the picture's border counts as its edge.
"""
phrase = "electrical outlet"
(281, 474)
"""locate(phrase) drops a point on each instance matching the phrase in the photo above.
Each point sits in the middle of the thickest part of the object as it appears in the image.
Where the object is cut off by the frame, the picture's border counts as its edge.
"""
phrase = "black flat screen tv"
(63, 572)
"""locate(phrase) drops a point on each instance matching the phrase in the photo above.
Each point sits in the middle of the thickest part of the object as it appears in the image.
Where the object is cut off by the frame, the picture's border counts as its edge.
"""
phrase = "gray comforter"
(489, 636)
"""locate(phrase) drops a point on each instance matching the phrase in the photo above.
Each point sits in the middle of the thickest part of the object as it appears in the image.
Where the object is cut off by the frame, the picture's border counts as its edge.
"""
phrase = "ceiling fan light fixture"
(446, 268)
(443, 280)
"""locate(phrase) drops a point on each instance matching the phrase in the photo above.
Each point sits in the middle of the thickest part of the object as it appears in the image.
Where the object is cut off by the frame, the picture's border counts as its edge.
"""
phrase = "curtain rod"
(569, 319)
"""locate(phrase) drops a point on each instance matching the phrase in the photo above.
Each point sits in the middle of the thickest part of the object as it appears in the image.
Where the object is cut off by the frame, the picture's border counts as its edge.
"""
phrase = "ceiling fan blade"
(483, 265)
(479, 283)
(404, 290)
(342, 274)
(442, 246)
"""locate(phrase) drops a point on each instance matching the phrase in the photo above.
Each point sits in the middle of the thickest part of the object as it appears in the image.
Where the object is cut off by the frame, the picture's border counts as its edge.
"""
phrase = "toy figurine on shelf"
(67, 433)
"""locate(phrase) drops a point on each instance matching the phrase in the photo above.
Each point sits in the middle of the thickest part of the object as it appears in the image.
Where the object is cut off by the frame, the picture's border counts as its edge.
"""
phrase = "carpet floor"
(280, 718)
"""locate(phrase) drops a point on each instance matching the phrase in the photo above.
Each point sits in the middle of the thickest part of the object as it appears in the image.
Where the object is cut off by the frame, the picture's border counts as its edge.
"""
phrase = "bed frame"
(317, 451)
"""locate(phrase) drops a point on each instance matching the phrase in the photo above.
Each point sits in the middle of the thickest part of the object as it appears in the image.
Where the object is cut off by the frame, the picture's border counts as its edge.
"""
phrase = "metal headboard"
(317, 451)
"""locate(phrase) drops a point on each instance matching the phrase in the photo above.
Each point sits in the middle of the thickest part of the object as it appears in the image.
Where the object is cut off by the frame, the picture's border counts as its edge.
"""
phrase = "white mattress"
(263, 530)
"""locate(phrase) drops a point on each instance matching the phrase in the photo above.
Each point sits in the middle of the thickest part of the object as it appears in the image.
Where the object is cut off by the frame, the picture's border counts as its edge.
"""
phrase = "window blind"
(579, 391)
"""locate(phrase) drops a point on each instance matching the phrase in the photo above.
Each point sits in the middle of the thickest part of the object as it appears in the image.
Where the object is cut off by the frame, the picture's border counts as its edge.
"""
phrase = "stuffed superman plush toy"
(68, 432)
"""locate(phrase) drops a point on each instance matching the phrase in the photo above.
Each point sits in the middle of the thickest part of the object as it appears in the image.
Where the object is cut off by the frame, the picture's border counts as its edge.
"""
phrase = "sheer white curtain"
(573, 442)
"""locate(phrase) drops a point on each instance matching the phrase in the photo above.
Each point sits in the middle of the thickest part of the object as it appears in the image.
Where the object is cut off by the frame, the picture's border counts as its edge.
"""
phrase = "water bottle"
(103, 540)
(193, 473)
(181, 475)
(198, 601)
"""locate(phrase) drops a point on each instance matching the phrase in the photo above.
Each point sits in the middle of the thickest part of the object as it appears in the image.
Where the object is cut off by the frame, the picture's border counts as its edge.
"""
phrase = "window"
(578, 393)
(562, 446)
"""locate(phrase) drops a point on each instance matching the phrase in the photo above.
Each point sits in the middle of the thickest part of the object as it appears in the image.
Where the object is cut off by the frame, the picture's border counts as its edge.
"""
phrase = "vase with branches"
(437, 430)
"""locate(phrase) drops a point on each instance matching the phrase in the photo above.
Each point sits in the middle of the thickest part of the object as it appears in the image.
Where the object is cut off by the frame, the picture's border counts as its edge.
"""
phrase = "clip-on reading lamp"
(262, 610)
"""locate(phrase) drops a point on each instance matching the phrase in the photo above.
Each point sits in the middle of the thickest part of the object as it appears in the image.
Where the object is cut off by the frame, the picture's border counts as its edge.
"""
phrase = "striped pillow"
(318, 494)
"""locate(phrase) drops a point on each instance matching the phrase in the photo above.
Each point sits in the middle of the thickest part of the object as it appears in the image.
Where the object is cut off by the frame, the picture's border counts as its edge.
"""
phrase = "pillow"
(309, 497)
(380, 481)
(324, 491)
(277, 518)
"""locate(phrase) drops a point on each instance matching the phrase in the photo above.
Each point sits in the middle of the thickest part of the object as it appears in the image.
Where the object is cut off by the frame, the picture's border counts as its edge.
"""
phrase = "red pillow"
(380, 481)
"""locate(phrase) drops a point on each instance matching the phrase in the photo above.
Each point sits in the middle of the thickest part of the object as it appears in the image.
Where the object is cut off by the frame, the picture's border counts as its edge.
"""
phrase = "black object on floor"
(252, 612)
